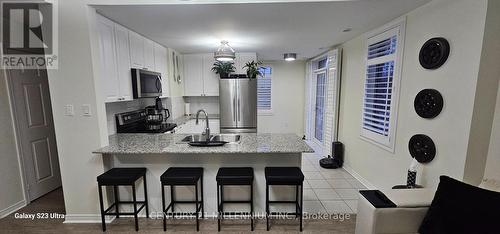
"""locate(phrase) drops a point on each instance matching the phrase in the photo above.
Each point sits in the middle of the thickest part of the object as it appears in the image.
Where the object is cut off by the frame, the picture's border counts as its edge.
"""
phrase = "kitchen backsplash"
(113, 108)
(209, 104)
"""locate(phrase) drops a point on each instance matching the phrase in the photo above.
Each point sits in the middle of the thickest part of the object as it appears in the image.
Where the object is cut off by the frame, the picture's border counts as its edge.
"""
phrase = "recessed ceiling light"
(290, 56)
(346, 29)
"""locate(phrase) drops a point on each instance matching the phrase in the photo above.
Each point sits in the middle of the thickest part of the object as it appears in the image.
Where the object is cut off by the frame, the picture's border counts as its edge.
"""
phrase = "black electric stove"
(135, 122)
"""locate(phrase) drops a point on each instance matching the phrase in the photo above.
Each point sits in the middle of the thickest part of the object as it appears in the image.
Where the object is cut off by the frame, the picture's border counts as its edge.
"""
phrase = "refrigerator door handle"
(238, 102)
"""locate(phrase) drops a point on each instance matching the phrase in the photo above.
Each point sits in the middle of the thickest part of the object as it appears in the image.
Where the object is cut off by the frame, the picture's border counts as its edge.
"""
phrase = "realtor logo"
(29, 33)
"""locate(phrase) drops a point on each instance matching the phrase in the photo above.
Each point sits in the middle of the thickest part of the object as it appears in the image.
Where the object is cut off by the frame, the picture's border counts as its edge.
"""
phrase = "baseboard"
(362, 180)
(86, 218)
(13, 208)
(95, 218)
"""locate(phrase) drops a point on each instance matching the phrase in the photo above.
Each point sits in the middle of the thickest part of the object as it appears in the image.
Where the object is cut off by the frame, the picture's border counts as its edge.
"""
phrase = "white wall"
(492, 169)
(462, 23)
(11, 192)
(287, 97)
(210, 104)
(486, 97)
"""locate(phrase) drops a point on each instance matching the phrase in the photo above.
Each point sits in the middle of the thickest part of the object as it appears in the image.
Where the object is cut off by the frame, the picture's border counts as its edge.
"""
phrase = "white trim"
(357, 176)
(86, 218)
(389, 142)
(13, 208)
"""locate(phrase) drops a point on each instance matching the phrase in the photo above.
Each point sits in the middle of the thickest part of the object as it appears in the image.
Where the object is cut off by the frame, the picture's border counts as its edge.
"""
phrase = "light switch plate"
(69, 110)
(86, 110)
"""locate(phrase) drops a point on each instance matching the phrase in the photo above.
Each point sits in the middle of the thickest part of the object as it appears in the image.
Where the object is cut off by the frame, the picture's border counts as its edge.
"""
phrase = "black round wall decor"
(422, 148)
(434, 53)
(428, 103)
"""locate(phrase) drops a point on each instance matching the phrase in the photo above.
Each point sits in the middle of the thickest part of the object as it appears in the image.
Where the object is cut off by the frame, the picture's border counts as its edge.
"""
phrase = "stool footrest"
(283, 202)
(106, 212)
(237, 201)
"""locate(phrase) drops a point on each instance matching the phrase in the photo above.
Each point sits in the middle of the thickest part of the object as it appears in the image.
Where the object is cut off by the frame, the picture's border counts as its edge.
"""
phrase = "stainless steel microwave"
(146, 84)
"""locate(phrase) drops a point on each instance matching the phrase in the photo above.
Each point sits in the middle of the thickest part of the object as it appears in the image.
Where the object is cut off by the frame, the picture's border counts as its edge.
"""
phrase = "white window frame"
(396, 28)
(270, 111)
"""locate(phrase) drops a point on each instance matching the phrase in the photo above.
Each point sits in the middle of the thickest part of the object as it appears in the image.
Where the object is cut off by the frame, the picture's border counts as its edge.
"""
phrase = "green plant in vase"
(253, 69)
(223, 68)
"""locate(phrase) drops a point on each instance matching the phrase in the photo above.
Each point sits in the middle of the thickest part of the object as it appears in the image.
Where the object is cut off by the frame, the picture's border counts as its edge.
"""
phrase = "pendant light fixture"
(290, 56)
(224, 53)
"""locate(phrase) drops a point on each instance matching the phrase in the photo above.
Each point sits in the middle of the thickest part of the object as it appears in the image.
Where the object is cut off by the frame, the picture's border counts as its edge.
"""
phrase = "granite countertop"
(261, 143)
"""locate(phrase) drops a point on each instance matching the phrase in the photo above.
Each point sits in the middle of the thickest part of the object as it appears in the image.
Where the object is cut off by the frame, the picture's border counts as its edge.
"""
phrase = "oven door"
(146, 83)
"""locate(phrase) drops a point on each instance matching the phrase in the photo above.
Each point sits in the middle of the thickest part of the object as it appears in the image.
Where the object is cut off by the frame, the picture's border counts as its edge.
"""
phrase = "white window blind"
(380, 88)
(264, 84)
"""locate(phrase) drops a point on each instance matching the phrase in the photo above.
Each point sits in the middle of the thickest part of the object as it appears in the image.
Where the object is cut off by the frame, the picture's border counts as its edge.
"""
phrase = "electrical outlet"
(86, 110)
(69, 110)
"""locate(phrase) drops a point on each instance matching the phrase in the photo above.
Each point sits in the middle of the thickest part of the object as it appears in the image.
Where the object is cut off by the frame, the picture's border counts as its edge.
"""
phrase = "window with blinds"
(264, 83)
(380, 88)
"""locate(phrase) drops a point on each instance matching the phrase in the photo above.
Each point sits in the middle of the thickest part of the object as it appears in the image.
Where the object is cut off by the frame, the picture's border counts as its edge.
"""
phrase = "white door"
(108, 59)
(123, 62)
(193, 75)
(35, 130)
(210, 79)
(319, 107)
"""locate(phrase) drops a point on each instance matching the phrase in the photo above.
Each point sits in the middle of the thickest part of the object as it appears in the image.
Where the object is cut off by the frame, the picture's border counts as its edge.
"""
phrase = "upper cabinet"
(160, 65)
(136, 50)
(107, 52)
(241, 59)
(120, 50)
(149, 55)
(200, 80)
(193, 75)
(123, 62)
(210, 79)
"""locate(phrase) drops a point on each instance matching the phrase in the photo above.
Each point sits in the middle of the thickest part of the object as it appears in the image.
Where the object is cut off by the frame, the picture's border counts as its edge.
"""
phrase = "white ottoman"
(411, 207)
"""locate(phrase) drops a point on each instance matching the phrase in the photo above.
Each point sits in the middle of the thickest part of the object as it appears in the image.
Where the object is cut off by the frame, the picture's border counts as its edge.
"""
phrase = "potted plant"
(223, 68)
(253, 69)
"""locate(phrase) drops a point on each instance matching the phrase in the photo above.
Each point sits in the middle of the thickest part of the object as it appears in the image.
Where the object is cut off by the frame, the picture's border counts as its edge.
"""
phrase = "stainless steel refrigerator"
(238, 105)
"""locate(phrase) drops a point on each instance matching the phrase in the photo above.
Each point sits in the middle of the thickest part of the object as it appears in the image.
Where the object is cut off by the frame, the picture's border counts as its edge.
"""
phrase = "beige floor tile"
(314, 207)
(348, 194)
(309, 195)
(339, 183)
(327, 194)
(336, 207)
(353, 204)
(315, 184)
(310, 175)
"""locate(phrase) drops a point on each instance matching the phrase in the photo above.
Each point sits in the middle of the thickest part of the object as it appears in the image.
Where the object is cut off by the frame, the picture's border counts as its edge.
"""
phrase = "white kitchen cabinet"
(199, 79)
(149, 54)
(123, 62)
(241, 59)
(107, 51)
(193, 75)
(136, 50)
(160, 60)
(210, 79)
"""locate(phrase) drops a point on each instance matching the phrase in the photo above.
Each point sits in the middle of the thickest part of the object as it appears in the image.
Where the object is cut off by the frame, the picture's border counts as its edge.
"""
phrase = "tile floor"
(328, 190)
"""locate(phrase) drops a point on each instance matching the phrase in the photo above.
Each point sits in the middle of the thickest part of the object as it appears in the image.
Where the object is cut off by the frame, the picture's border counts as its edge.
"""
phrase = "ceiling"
(270, 29)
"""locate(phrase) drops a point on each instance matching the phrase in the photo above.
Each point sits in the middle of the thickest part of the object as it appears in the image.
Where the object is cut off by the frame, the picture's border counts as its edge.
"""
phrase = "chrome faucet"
(207, 128)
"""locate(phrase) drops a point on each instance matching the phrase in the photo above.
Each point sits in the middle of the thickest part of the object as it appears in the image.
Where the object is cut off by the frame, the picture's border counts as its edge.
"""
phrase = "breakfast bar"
(158, 152)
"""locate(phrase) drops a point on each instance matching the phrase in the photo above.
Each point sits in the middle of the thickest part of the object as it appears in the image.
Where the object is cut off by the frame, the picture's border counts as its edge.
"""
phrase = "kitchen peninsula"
(158, 152)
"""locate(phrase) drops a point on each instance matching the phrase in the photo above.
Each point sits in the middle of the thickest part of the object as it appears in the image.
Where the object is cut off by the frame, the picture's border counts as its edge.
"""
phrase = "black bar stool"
(233, 176)
(285, 176)
(182, 176)
(122, 177)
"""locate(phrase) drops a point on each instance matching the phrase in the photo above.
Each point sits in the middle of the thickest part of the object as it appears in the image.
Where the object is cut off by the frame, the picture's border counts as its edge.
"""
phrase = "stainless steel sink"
(229, 138)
